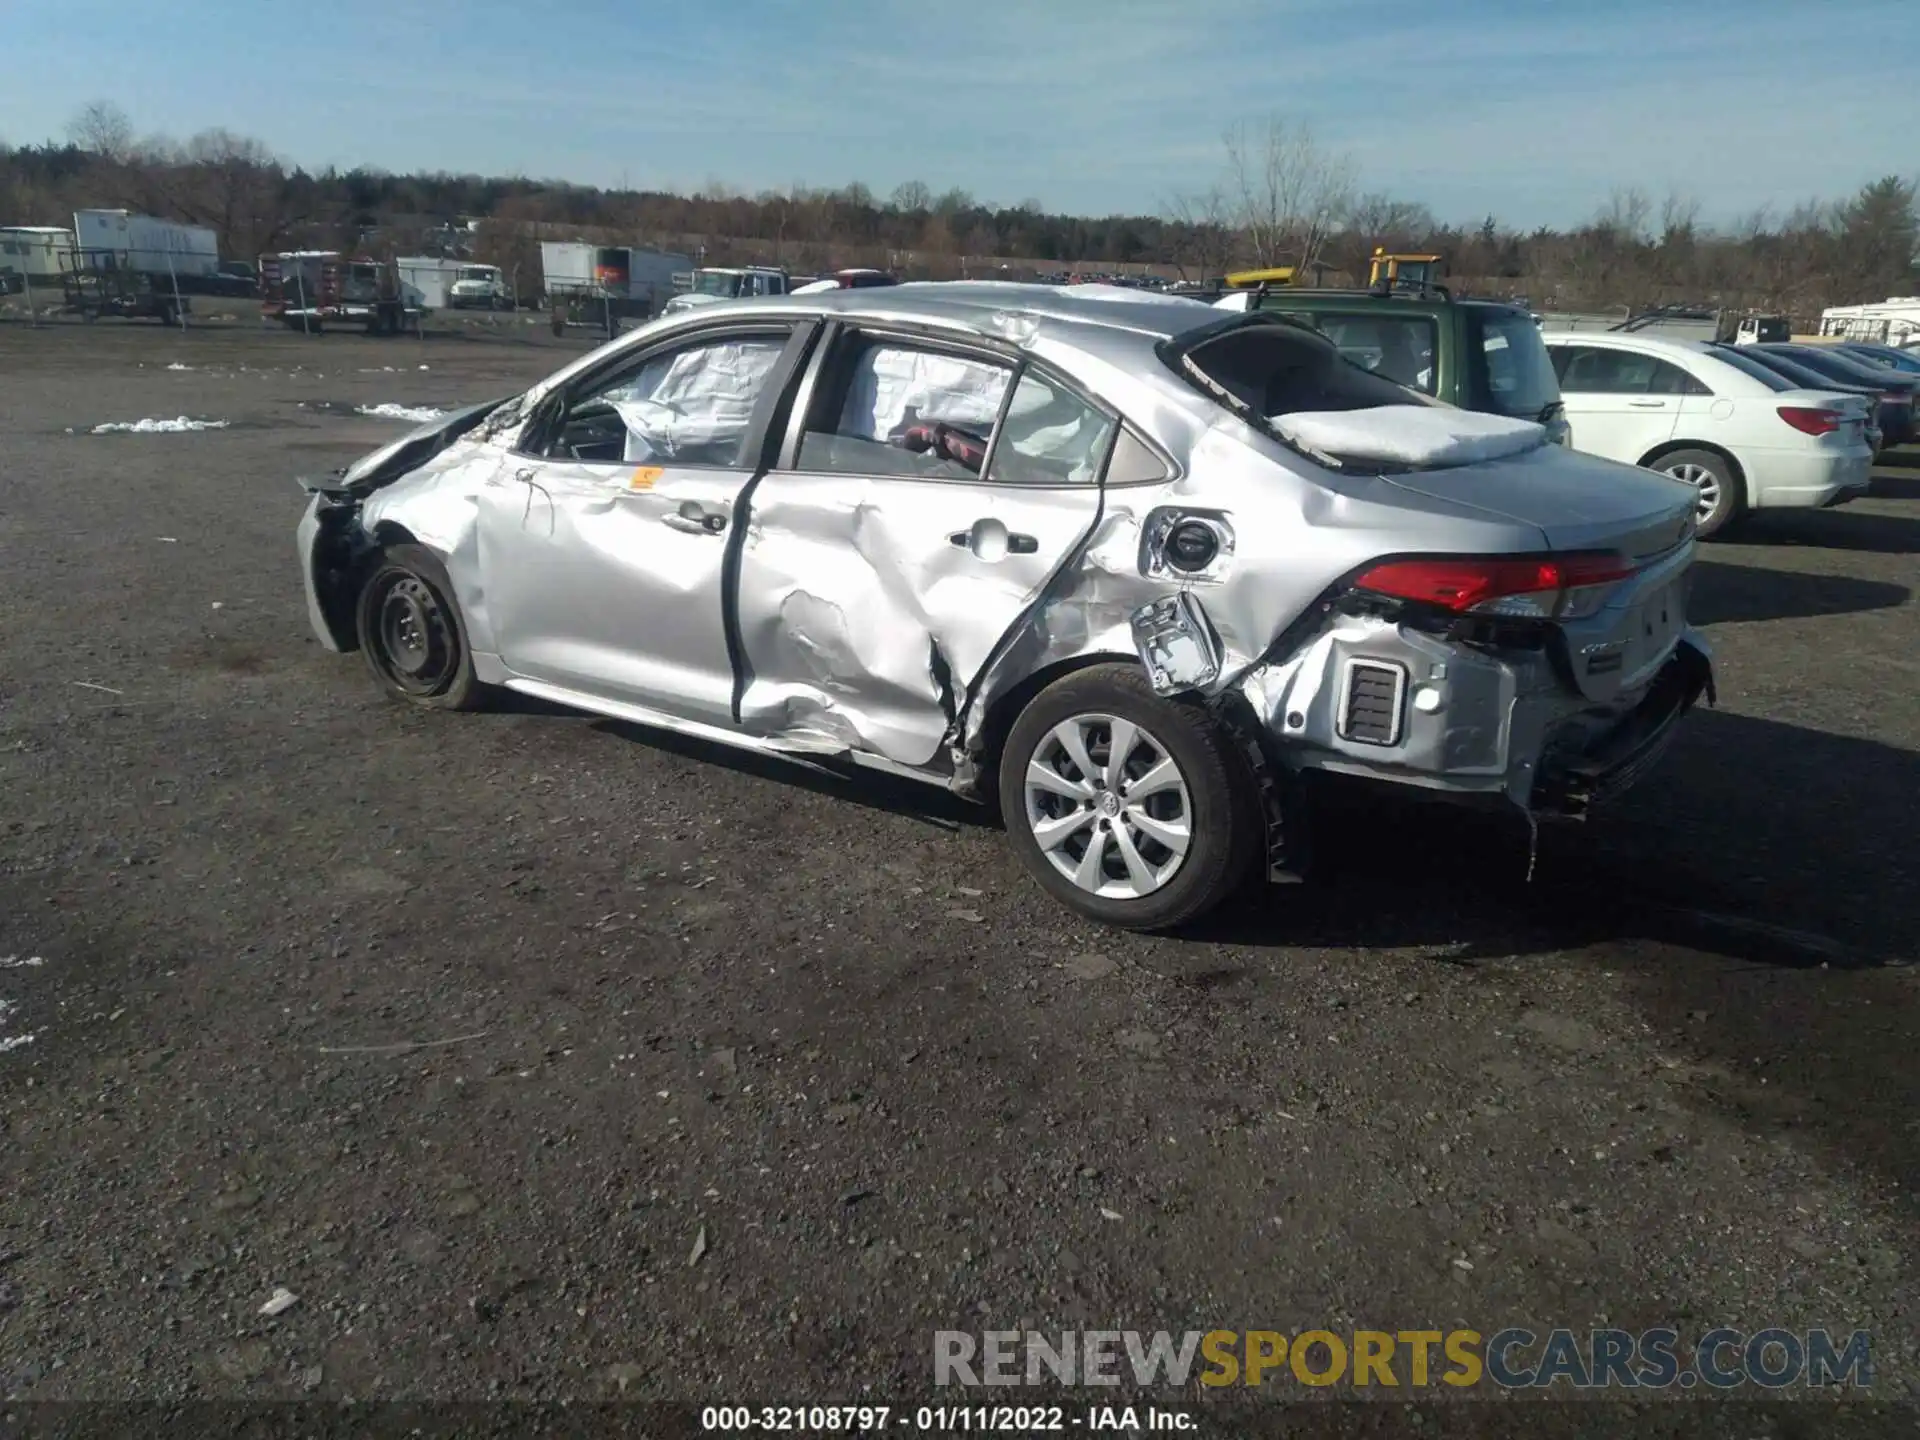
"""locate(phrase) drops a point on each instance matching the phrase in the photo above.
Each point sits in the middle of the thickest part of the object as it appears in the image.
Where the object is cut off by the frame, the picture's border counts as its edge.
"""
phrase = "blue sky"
(1531, 110)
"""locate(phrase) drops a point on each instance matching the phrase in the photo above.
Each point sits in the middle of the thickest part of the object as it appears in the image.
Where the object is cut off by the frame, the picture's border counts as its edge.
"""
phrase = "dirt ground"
(542, 1057)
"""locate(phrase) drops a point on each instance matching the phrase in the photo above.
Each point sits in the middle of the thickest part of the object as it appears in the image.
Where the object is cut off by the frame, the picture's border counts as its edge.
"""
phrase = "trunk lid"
(1581, 502)
(1578, 502)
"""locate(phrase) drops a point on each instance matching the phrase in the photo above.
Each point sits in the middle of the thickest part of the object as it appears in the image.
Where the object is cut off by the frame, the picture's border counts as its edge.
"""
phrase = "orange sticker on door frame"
(644, 477)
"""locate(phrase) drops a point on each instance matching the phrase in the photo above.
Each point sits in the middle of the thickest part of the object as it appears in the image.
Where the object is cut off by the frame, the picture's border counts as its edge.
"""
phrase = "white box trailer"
(121, 240)
(34, 253)
(599, 285)
(427, 280)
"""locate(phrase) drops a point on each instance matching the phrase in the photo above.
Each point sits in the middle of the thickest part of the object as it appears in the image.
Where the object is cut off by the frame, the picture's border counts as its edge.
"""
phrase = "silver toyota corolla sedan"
(1128, 565)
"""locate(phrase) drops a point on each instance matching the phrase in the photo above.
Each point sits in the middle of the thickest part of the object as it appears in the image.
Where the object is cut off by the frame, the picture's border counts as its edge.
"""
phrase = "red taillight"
(1809, 421)
(1494, 585)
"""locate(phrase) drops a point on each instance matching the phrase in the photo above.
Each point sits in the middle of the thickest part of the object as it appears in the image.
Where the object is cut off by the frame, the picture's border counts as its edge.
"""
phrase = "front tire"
(1722, 497)
(1131, 809)
(412, 633)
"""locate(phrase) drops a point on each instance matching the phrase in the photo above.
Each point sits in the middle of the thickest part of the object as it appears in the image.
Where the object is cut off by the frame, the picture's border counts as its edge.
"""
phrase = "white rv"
(1893, 321)
(34, 255)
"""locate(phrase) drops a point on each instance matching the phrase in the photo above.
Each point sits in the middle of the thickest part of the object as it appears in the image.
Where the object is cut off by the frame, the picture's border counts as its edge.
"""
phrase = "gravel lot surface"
(542, 1057)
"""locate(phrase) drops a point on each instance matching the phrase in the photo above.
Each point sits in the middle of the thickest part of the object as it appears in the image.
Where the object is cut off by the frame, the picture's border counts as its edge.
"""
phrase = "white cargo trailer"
(121, 240)
(600, 285)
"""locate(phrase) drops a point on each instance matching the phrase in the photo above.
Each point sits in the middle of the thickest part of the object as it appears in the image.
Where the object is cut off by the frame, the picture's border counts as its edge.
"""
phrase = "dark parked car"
(1904, 362)
(1896, 391)
(1788, 368)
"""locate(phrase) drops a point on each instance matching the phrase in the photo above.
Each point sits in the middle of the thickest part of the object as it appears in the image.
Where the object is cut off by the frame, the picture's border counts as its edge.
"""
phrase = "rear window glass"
(1270, 370)
(1753, 369)
(1803, 377)
(1516, 373)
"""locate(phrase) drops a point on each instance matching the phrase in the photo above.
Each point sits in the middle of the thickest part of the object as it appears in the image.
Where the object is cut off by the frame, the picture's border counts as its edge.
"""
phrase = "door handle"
(1648, 404)
(695, 520)
(985, 537)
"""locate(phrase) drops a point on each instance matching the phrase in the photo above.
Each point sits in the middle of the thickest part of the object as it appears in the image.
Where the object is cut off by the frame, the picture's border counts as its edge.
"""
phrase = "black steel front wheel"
(412, 635)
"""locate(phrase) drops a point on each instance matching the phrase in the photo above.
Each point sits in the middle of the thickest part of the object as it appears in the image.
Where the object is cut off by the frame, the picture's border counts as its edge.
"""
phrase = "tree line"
(1280, 198)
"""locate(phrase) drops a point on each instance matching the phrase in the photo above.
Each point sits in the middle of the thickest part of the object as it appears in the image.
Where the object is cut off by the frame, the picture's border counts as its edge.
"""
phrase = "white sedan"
(1745, 438)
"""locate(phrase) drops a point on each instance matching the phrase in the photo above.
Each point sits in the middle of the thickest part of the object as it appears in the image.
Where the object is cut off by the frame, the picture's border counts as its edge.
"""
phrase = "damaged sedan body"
(1123, 564)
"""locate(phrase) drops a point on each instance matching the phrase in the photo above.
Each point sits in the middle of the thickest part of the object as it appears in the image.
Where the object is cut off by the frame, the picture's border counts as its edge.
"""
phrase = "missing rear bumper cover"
(1571, 783)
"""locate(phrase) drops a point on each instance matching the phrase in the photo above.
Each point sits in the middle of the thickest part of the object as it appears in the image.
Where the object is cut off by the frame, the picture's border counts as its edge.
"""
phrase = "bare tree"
(1679, 218)
(102, 128)
(1200, 232)
(1289, 193)
(1624, 217)
(911, 197)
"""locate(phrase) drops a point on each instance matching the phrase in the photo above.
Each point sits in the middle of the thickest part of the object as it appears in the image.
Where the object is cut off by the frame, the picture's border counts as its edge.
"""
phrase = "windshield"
(716, 282)
(1518, 378)
(479, 274)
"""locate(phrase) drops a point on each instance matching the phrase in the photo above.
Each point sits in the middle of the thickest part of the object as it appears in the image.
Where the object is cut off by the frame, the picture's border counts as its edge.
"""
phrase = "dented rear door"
(875, 580)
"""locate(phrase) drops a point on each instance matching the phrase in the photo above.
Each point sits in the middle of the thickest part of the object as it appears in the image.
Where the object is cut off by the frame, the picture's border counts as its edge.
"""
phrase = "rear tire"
(413, 635)
(1723, 496)
(1177, 819)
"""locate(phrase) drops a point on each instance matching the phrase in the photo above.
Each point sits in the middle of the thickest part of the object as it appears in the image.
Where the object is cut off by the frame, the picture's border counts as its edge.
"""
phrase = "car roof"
(1278, 296)
(978, 305)
(1646, 344)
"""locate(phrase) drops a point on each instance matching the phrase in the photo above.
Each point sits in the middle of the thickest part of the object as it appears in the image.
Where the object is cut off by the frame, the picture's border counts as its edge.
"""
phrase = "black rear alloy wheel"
(411, 632)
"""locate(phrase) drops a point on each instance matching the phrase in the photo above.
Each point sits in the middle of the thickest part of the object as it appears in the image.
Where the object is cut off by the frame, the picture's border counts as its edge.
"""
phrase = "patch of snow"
(1422, 435)
(176, 365)
(416, 414)
(156, 427)
(12, 1042)
(20, 962)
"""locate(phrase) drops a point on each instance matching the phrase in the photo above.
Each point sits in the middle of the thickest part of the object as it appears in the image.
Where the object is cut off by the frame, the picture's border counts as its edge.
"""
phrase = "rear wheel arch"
(1003, 711)
(1672, 447)
(1738, 498)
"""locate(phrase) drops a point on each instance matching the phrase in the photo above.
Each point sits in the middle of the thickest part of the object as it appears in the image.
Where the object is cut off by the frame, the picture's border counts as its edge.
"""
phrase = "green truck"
(1484, 355)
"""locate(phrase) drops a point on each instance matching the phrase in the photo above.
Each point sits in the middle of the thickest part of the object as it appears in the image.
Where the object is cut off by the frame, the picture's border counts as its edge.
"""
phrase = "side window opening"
(691, 406)
(892, 408)
(1049, 436)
